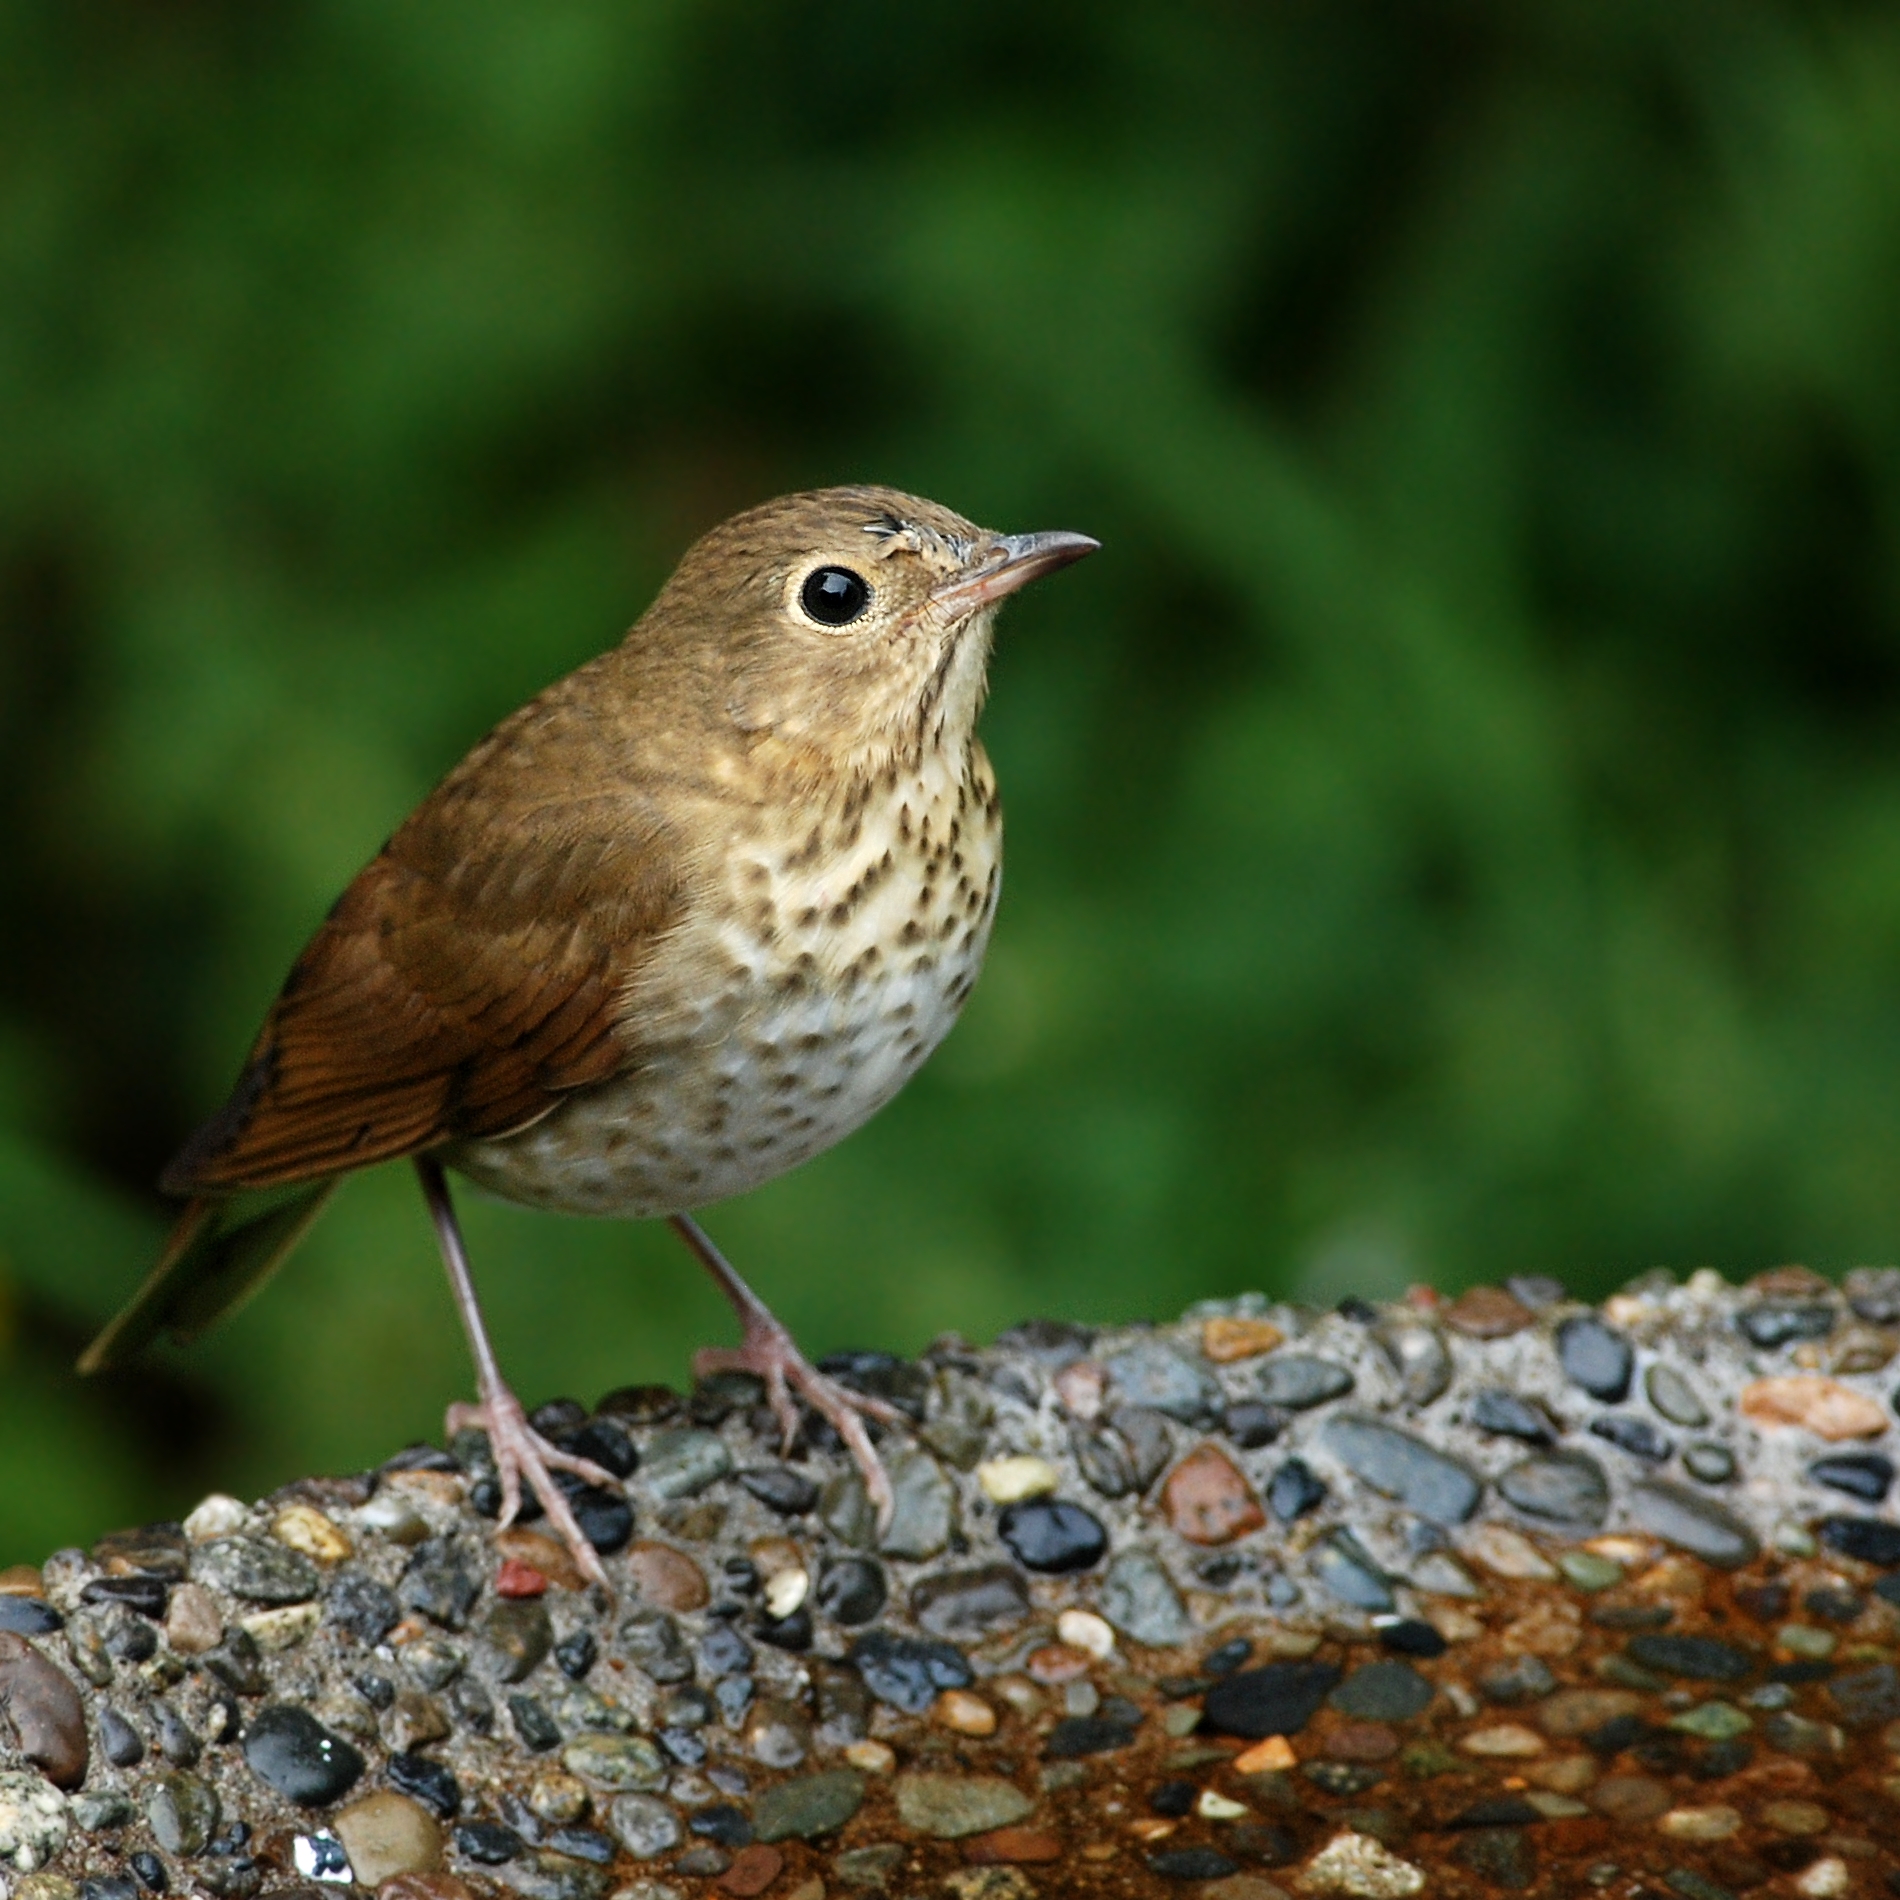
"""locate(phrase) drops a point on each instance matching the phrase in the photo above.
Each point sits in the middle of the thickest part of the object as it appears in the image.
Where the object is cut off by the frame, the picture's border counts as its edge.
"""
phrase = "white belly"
(773, 1033)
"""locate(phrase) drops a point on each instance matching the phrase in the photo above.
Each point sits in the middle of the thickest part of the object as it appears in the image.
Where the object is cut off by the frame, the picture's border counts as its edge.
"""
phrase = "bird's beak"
(1011, 561)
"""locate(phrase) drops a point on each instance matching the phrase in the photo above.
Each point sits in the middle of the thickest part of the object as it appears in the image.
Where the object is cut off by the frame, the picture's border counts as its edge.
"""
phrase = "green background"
(1454, 826)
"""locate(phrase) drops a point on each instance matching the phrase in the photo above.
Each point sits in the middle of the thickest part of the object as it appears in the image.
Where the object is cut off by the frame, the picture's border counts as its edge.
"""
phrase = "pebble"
(1418, 1355)
(1360, 1865)
(1595, 1357)
(514, 1638)
(949, 1807)
(1011, 1480)
(1814, 1404)
(643, 1824)
(1514, 1679)
(1156, 1376)
(1399, 1465)
(1696, 1524)
(1383, 1692)
(680, 1461)
(304, 1528)
(1637, 1436)
(1563, 1487)
(1486, 1312)
(1781, 1323)
(1207, 1501)
(215, 1516)
(964, 1713)
(540, 1553)
(1013, 1844)
(1225, 1340)
(34, 1821)
(436, 1583)
(1794, 1817)
(1634, 1800)
(808, 1806)
(257, 1569)
(1278, 1699)
(1709, 1463)
(1054, 1536)
(615, 1761)
(1867, 1697)
(666, 1578)
(1295, 1490)
(182, 1812)
(1507, 1553)
(28, 1616)
(779, 1488)
(1443, 1575)
(651, 1638)
(1674, 1397)
(1296, 1382)
(388, 1834)
(1139, 1598)
(1869, 1539)
(40, 1712)
(1505, 1415)
(925, 1517)
(1861, 1474)
(852, 1590)
(906, 1673)
(1084, 1630)
(293, 1754)
(431, 1782)
(753, 1869)
(970, 1603)
(1345, 1569)
(357, 1605)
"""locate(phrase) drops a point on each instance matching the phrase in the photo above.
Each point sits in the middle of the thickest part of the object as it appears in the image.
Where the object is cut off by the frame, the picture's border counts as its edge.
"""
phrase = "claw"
(521, 1452)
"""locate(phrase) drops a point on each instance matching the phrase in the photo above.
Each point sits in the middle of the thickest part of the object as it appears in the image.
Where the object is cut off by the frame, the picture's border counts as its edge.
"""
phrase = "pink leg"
(519, 1450)
(769, 1351)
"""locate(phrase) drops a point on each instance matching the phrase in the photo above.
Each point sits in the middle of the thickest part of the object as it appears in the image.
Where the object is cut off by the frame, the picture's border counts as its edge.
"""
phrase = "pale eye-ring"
(834, 596)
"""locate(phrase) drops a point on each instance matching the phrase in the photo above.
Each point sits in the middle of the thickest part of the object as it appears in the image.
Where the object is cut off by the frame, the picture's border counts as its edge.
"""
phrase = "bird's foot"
(769, 1352)
(521, 1453)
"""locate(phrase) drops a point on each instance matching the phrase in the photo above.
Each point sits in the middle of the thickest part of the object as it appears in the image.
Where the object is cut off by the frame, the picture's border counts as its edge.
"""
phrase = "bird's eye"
(835, 596)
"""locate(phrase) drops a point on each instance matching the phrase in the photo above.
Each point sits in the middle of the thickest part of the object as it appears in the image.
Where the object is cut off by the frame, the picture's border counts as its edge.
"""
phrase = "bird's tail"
(219, 1254)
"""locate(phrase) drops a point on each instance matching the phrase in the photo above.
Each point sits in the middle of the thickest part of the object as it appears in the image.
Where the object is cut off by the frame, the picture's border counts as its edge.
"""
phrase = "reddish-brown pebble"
(665, 1577)
(41, 1708)
(1360, 1741)
(753, 1869)
(516, 1579)
(1006, 1844)
(21, 1580)
(425, 1887)
(1057, 1662)
(1487, 1312)
(541, 1553)
(1207, 1500)
(1631, 1799)
(1225, 1340)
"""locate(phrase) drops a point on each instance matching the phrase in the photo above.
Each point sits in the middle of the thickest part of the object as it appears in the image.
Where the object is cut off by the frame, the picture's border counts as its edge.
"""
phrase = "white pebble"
(1217, 1807)
(1084, 1630)
(1825, 1880)
(1010, 1480)
(785, 1591)
(215, 1516)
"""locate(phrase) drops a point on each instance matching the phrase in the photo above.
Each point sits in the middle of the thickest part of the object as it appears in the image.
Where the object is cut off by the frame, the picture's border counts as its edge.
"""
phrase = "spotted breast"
(828, 959)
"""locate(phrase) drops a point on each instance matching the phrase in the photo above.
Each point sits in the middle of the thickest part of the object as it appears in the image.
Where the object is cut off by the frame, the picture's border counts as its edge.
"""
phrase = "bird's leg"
(519, 1450)
(770, 1352)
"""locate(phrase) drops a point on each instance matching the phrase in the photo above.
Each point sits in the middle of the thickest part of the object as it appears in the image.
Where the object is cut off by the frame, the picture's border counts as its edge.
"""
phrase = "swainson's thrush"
(682, 921)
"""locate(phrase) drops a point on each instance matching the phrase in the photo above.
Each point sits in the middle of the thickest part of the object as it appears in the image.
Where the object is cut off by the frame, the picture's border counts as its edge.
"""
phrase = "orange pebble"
(1275, 1752)
(966, 1713)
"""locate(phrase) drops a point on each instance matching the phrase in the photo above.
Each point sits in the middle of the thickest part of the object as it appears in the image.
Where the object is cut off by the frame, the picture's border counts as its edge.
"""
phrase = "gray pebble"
(1709, 1463)
(925, 1514)
(644, 1825)
(1383, 1692)
(258, 1569)
(1674, 1397)
(34, 1821)
(1398, 1465)
(809, 1806)
(1693, 1523)
(514, 1637)
(1298, 1381)
(681, 1461)
(1418, 1355)
(965, 1603)
(182, 1812)
(1564, 1487)
(1139, 1598)
(1155, 1375)
(1343, 1566)
(1595, 1357)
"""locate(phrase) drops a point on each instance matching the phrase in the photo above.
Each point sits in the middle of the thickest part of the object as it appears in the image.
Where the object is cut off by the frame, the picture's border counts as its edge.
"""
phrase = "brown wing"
(465, 981)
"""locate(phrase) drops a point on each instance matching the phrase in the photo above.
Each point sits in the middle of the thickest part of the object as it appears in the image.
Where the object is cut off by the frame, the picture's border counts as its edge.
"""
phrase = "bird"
(687, 918)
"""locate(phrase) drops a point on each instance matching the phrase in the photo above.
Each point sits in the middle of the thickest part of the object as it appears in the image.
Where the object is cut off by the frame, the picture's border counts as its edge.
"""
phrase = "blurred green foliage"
(1454, 827)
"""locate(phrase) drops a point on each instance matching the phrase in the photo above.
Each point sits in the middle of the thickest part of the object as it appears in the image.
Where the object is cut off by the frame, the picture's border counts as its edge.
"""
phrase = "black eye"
(834, 596)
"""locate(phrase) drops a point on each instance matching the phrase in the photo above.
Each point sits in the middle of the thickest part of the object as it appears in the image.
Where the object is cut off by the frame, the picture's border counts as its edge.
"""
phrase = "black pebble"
(427, 1781)
(1721, 1759)
(1360, 1312)
(605, 1443)
(109, 1887)
(1637, 1436)
(1342, 1777)
(1698, 1658)
(474, 1707)
(1411, 1637)
(28, 1616)
(533, 1724)
(1596, 1358)
(146, 1595)
(150, 1870)
(584, 1843)
(130, 1639)
(1227, 1658)
(176, 1740)
(906, 1672)
(1501, 1811)
(1870, 1539)
(779, 1488)
(1505, 1415)
(852, 1590)
(1798, 1672)
(1192, 1863)
(1295, 1490)
(557, 1415)
(642, 1404)
(363, 1608)
(291, 1752)
(1082, 1735)
(1277, 1700)
(420, 1457)
(605, 1517)
(487, 1842)
(1833, 1606)
(881, 1375)
(1861, 1474)
(236, 1662)
(1251, 1424)
(438, 1585)
(378, 1691)
(723, 1823)
(1175, 1799)
(1052, 1535)
(576, 1654)
(118, 1740)
(792, 1632)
